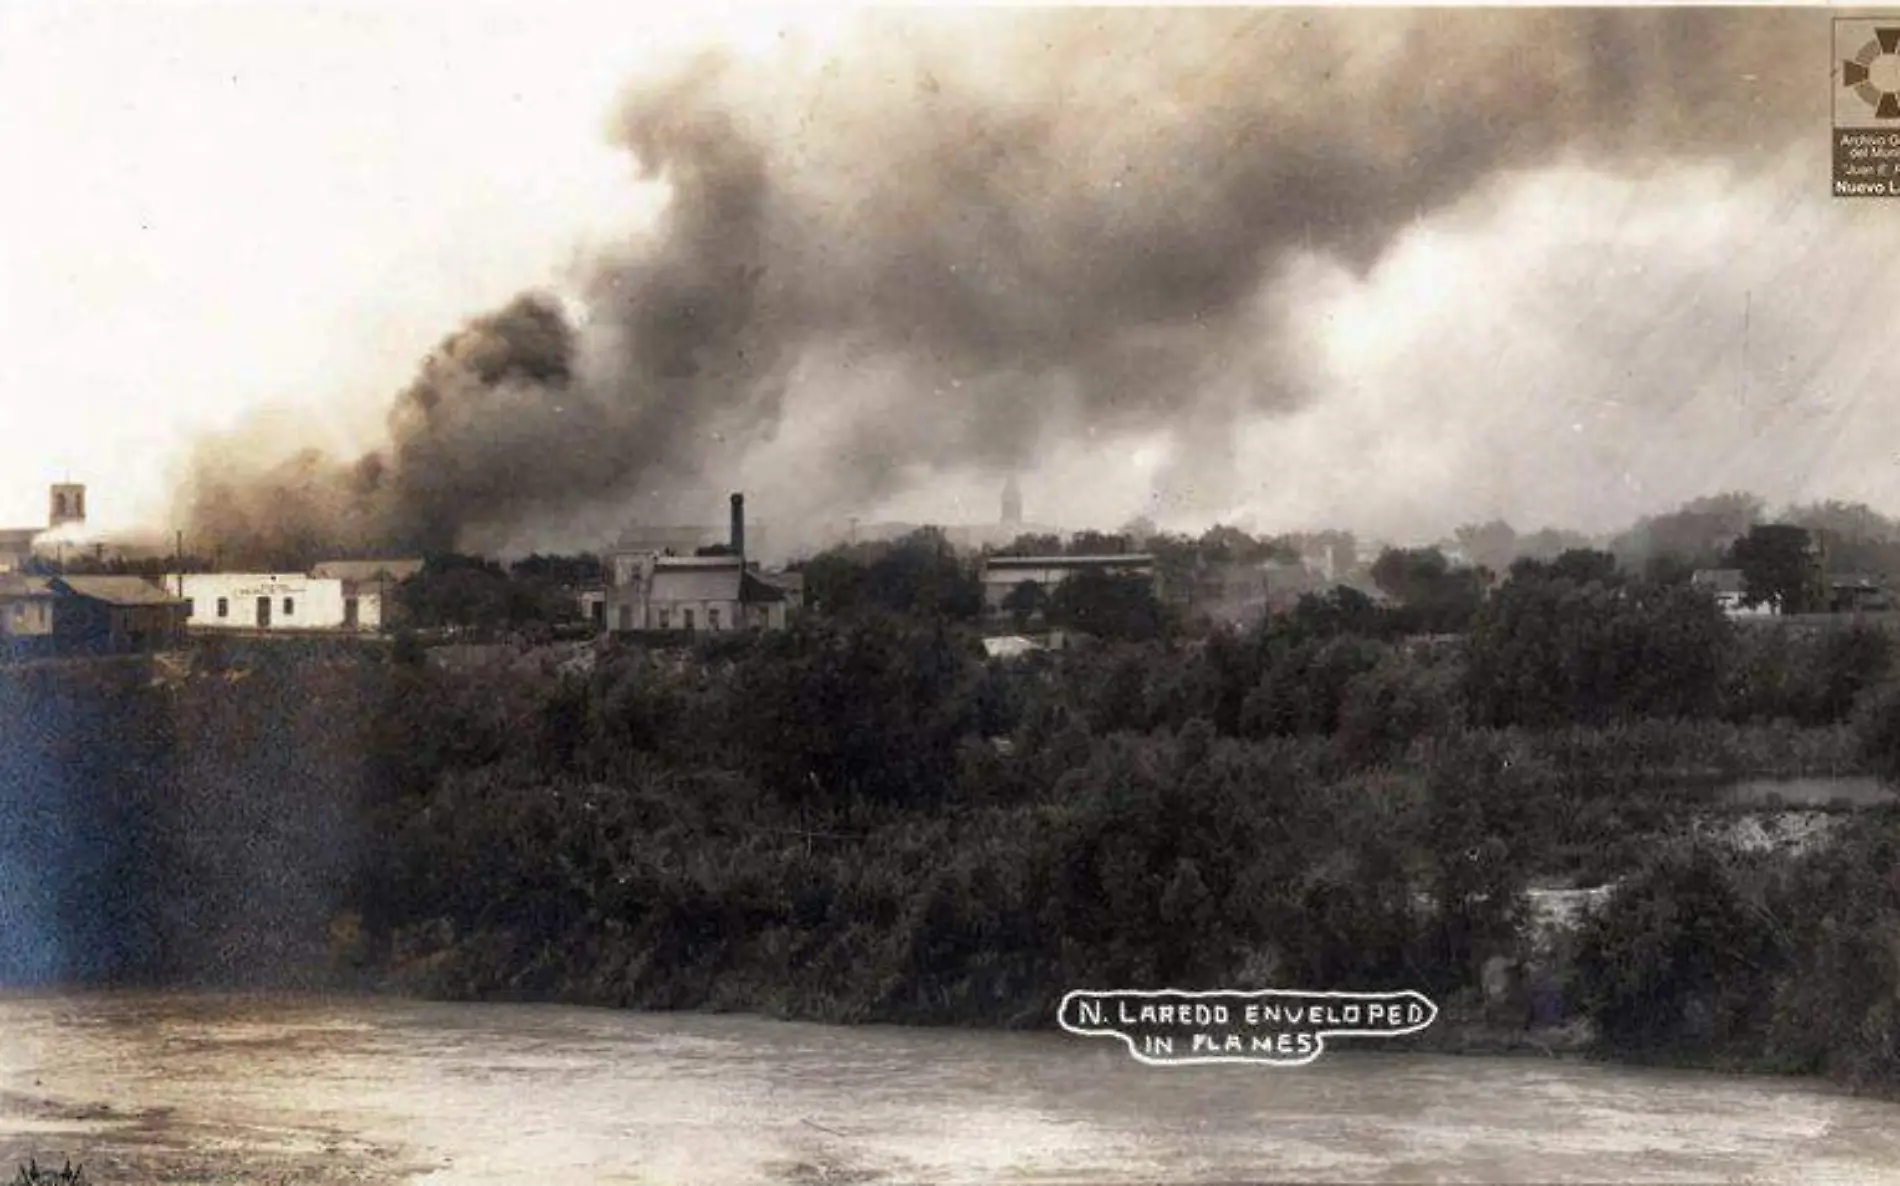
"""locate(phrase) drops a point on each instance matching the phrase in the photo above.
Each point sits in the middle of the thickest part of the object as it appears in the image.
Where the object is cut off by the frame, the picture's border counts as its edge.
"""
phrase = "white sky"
(212, 207)
(215, 206)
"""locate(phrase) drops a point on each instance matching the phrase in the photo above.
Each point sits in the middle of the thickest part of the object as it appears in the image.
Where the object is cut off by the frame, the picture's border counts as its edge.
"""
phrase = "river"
(223, 1089)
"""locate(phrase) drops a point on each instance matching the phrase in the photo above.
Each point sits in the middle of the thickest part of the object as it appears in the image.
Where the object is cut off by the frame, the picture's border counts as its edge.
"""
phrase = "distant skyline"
(1637, 293)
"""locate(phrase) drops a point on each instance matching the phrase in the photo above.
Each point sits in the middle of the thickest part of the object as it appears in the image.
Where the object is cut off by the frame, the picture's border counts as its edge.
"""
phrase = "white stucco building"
(276, 602)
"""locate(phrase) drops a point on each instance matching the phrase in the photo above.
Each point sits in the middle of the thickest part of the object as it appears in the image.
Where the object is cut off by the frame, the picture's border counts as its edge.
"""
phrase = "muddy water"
(200, 1088)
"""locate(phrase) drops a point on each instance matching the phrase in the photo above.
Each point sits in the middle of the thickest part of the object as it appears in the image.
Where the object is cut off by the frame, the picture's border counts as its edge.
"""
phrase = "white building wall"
(313, 603)
(671, 615)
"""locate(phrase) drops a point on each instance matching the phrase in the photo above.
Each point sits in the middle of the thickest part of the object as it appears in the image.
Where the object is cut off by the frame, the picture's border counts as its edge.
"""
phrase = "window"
(688, 616)
(712, 618)
(224, 607)
(666, 619)
(191, 606)
(290, 606)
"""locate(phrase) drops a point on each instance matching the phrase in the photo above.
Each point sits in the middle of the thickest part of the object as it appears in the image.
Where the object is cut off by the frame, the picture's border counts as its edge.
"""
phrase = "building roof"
(13, 587)
(116, 590)
(1010, 646)
(1854, 580)
(19, 537)
(1130, 560)
(367, 570)
(709, 578)
(759, 591)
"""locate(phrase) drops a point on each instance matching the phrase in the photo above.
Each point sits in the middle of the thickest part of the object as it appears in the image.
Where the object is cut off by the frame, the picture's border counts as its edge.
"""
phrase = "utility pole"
(178, 561)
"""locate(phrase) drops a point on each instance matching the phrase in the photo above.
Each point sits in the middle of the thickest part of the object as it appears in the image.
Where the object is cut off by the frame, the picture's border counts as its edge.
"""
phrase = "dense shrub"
(1677, 959)
(1546, 651)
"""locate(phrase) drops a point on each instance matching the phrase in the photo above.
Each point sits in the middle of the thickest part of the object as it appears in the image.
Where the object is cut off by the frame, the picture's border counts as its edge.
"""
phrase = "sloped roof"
(1854, 580)
(117, 590)
(1010, 646)
(367, 570)
(1129, 560)
(709, 578)
(759, 591)
(14, 586)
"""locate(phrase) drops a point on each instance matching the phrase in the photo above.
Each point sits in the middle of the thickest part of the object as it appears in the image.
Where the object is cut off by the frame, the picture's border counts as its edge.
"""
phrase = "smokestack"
(738, 528)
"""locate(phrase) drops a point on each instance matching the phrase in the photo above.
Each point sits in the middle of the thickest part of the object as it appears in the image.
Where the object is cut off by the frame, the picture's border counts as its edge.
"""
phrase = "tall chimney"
(738, 528)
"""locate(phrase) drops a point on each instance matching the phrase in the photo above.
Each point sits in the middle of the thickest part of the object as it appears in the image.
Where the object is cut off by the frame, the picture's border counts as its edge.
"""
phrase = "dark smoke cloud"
(1021, 224)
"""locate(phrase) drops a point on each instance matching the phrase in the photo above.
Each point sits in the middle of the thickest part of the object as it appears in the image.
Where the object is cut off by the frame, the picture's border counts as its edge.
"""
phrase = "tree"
(918, 574)
(1024, 602)
(1031, 544)
(1580, 566)
(1096, 543)
(1493, 545)
(1779, 568)
(871, 709)
(1441, 597)
(1698, 531)
(1547, 651)
(1109, 605)
(1677, 958)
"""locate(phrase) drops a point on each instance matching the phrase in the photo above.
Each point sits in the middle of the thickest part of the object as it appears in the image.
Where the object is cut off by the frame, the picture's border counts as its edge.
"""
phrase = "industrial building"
(650, 590)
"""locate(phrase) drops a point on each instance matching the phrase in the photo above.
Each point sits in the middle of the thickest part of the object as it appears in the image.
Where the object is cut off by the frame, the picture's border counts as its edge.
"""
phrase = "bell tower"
(66, 504)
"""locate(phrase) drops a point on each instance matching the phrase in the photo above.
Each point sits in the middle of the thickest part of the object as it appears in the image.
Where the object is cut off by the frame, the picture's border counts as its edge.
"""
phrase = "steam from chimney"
(1000, 229)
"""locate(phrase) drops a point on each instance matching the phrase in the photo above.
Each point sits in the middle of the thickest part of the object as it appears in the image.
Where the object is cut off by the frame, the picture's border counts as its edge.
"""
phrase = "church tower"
(66, 504)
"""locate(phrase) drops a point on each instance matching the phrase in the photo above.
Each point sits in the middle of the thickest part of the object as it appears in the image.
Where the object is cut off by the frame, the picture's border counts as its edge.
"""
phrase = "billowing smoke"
(958, 241)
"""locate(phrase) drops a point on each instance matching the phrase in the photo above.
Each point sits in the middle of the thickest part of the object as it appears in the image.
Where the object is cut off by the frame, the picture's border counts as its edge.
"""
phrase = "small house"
(114, 615)
(1731, 592)
(26, 616)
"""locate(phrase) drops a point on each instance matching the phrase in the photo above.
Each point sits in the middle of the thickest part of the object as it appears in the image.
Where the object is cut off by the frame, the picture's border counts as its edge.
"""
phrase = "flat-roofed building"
(1003, 574)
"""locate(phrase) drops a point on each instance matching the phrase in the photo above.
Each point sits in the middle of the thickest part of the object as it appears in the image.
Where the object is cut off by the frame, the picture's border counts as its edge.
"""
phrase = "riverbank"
(228, 1090)
(867, 821)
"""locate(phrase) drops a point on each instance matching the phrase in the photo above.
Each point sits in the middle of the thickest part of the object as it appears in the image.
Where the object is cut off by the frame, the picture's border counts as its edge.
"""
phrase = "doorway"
(263, 612)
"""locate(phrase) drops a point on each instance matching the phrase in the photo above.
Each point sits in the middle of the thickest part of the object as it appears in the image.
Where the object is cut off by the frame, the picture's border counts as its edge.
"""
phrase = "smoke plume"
(960, 241)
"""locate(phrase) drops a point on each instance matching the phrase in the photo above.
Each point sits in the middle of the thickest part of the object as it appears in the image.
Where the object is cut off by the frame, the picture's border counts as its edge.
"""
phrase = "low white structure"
(277, 602)
(1011, 646)
(1730, 592)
